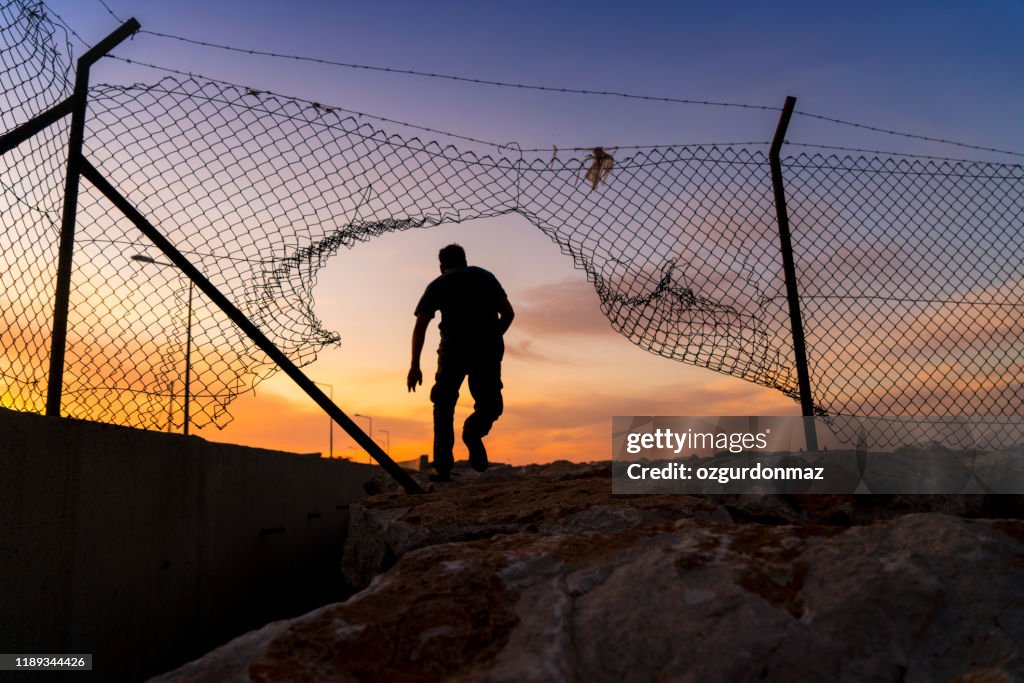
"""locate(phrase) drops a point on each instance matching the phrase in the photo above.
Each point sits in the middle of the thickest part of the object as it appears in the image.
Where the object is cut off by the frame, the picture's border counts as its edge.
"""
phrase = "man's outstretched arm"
(419, 334)
(505, 315)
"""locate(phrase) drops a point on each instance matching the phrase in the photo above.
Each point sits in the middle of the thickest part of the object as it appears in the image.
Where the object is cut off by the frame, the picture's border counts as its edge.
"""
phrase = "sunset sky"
(940, 69)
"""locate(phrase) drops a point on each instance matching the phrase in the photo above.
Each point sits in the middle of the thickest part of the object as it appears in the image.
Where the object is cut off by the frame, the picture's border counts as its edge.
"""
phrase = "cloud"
(577, 425)
(566, 307)
(522, 349)
(872, 356)
(715, 397)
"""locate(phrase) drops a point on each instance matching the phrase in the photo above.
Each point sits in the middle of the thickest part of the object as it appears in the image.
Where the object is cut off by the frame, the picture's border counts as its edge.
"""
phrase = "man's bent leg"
(485, 387)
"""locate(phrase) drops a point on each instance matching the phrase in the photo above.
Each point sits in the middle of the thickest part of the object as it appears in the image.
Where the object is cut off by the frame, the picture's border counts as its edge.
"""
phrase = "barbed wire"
(565, 90)
(506, 146)
(912, 136)
(111, 12)
(260, 91)
(461, 79)
(522, 86)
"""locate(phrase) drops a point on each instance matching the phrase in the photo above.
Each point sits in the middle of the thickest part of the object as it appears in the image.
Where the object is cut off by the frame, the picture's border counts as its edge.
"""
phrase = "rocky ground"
(539, 573)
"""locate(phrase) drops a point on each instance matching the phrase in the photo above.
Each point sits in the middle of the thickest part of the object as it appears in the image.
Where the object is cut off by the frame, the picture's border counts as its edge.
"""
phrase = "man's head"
(451, 257)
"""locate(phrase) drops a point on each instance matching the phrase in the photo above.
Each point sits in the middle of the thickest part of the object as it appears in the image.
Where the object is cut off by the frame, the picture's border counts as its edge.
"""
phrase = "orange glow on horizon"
(535, 428)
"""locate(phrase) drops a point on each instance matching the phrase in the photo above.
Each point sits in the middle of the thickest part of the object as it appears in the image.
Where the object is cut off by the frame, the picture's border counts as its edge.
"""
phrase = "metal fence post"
(792, 291)
(79, 101)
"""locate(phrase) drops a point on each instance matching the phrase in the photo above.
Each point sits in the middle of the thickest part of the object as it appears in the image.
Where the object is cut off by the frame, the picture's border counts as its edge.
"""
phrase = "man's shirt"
(469, 299)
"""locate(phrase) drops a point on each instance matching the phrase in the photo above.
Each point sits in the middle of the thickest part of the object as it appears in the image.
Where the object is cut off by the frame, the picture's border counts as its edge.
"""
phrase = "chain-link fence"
(911, 276)
(909, 269)
(35, 76)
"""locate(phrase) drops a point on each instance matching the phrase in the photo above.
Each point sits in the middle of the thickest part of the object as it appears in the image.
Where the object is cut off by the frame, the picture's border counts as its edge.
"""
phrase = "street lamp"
(387, 435)
(170, 408)
(188, 343)
(371, 423)
(368, 458)
(330, 420)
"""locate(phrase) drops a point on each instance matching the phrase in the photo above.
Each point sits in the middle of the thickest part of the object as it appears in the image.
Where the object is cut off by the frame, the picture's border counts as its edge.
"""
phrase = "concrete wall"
(149, 549)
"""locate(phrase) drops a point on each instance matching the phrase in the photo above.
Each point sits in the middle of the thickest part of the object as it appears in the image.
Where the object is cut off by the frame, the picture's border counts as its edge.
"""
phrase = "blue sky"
(943, 69)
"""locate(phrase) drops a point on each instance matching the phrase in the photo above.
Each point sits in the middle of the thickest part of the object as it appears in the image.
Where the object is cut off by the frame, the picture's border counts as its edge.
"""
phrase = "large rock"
(557, 498)
(542, 575)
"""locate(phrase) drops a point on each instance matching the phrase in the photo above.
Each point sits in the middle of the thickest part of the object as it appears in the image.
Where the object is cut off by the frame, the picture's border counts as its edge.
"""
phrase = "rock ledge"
(541, 574)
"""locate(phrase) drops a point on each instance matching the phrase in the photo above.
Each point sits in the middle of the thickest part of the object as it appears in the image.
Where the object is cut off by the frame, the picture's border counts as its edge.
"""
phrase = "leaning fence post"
(67, 230)
(792, 292)
(254, 333)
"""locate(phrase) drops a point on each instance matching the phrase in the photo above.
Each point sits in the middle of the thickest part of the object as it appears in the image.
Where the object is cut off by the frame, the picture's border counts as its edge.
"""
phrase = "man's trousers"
(482, 365)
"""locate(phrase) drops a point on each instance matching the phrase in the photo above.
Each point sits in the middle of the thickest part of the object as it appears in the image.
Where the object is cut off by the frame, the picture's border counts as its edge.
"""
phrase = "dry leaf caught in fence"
(601, 163)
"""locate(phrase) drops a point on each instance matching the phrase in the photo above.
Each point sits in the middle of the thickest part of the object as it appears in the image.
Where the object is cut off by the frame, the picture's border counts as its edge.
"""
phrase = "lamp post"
(371, 426)
(142, 258)
(368, 418)
(330, 422)
(170, 408)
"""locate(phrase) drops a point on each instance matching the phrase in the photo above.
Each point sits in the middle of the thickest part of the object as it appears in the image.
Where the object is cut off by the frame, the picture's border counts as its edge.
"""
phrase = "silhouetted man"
(475, 313)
